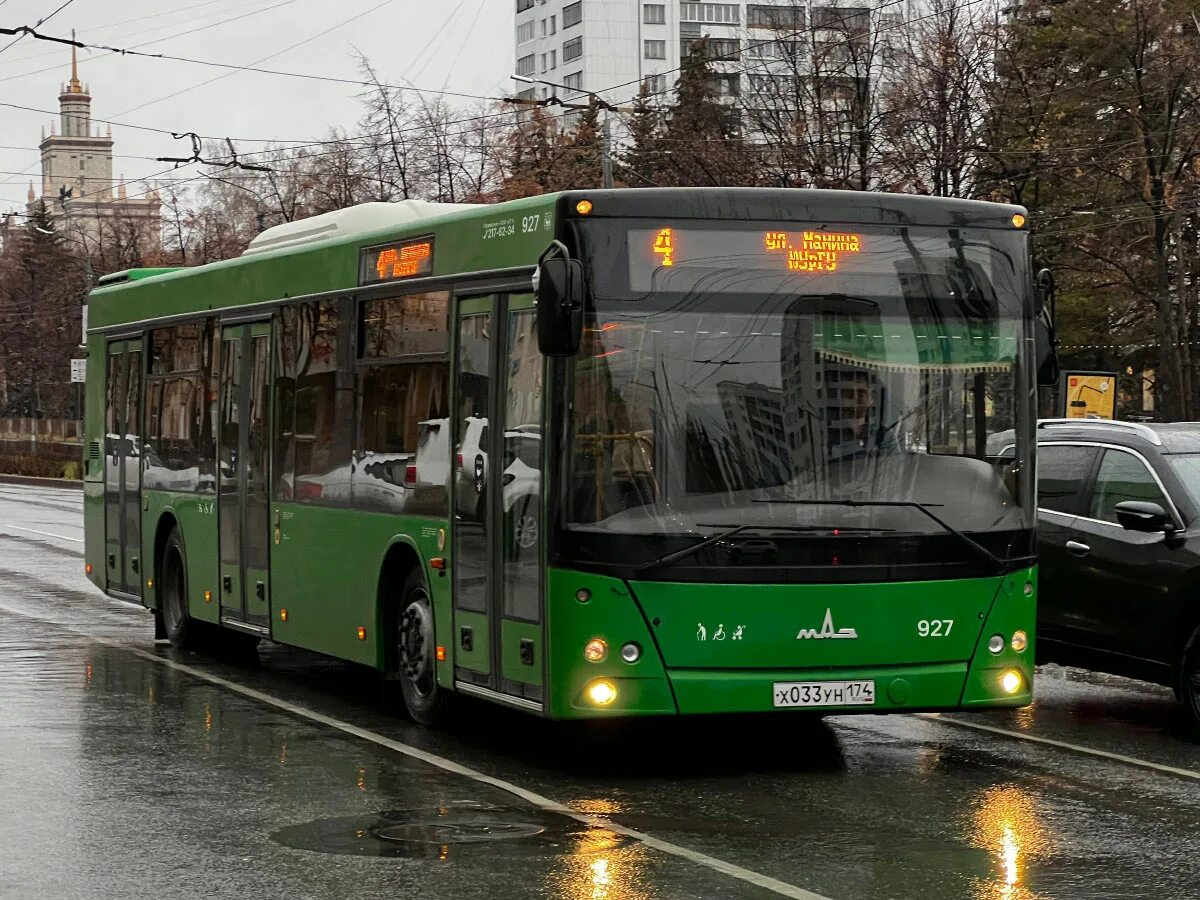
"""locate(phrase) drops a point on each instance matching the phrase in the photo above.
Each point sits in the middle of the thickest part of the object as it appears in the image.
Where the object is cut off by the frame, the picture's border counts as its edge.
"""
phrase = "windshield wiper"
(671, 558)
(977, 548)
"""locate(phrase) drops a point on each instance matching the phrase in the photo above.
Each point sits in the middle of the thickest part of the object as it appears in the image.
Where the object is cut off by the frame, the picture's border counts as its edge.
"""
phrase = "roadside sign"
(83, 317)
(78, 370)
(1090, 395)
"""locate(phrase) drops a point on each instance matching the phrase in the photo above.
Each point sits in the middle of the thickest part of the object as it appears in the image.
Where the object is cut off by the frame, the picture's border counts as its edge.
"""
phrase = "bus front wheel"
(181, 629)
(423, 698)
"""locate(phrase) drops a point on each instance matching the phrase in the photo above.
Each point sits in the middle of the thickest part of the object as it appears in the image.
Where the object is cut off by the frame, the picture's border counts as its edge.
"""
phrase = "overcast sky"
(455, 45)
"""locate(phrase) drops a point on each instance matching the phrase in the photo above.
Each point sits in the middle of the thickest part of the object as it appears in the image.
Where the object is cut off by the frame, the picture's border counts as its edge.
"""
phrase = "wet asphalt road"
(130, 770)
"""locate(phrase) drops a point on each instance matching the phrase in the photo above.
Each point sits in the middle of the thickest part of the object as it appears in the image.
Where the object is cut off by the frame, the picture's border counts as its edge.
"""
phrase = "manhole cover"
(456, 830)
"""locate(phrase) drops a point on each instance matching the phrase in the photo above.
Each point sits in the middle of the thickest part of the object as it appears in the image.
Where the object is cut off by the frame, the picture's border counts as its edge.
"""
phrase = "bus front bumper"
(895, 688)
(892, 689)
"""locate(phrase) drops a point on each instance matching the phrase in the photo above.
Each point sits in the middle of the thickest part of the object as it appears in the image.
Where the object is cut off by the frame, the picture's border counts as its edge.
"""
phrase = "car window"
(1122, 476)
(1187, 470)
(1061, 472)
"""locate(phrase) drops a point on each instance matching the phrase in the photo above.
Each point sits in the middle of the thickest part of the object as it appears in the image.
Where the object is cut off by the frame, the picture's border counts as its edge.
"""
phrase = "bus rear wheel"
(182, 631)
(415, 654)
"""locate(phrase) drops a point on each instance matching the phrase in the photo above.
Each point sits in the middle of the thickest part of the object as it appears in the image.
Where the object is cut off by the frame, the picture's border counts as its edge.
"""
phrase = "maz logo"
(827, 631)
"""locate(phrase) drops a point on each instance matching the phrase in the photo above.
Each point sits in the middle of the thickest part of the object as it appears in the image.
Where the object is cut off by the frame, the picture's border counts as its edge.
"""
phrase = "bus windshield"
(736, 375)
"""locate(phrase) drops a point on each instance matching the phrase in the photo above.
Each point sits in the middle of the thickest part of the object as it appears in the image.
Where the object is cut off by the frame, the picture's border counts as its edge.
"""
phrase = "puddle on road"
(439, 832)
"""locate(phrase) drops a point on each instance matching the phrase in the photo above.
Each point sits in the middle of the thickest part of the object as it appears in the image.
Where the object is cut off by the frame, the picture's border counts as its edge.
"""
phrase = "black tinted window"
(1061, 472)
(1122, 476)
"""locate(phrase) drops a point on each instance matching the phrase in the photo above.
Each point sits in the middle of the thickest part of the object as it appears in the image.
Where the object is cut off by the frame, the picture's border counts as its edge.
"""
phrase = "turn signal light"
(1011, 681)
(601, 692)
(1020, 641)
(441, 654)
(149, 582)
(1018, 220)
(361, 632)
(87, 569)
(208, 598)
(283, 615)
(595, 650)
(584, 207)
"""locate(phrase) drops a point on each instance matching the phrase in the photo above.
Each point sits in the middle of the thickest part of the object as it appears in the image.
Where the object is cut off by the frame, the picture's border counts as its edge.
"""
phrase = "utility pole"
(606, 150)
(594, 99)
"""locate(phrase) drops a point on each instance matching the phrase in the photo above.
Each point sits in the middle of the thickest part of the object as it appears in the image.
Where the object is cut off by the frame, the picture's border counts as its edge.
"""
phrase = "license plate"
(824, 693)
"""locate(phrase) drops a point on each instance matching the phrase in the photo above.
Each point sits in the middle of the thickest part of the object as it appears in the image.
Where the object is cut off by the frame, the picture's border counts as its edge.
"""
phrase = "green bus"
(590, 454)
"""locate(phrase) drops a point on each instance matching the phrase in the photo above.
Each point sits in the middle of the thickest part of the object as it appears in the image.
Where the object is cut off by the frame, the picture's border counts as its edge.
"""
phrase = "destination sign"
(811, 251)
(393, 262)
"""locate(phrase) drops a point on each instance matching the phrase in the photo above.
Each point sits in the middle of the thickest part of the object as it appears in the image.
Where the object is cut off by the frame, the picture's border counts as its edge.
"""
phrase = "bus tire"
(181, 630)
(414, 653)
(1188, 690)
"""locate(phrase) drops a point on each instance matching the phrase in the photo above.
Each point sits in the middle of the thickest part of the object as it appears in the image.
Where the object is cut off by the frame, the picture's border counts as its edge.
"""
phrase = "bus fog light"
(996, 643)
(601, 692)
(595, 650)
(1011, 681)
(1020, 641)
(583, 595)
(631, 652)
(1029, 589)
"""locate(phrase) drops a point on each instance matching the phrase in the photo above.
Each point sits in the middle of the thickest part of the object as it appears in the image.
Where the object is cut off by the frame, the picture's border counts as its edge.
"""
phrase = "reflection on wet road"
(129, 770)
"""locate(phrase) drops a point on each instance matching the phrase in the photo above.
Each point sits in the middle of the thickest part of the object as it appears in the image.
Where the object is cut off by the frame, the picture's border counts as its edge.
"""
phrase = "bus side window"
(324, 405)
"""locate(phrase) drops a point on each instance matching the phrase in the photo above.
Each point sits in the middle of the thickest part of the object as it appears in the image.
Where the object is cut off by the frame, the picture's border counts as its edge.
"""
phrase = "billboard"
(1090, 395)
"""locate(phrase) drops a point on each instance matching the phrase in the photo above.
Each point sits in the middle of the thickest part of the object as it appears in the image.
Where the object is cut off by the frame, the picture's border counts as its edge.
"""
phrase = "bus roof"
(321, 254)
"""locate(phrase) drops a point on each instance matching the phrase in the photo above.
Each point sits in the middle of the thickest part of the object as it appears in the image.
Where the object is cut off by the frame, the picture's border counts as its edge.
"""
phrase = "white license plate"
(824, 693)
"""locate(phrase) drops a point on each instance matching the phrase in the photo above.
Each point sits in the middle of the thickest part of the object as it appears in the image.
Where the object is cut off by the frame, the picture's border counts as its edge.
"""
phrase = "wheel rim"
(527, 531)
(172, 592)
(416, 646)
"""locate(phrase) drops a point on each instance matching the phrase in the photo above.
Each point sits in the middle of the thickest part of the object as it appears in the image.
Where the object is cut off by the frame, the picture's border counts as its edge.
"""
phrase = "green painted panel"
(325, 571)
(801, 626)
(511, 634)
(464, 241)
(195, 516)
(612, 615)
(93, 531)
(478, 658)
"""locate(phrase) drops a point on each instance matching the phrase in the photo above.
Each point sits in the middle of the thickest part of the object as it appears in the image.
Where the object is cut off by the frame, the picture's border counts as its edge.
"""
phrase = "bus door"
(497, 549)
(122, 466)
(242, 474)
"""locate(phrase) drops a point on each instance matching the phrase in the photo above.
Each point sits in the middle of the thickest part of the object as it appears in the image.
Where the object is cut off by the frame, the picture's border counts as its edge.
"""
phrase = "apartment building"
(612, 47)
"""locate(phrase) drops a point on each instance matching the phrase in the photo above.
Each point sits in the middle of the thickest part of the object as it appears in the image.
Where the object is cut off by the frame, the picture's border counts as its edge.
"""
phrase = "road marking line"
(1064, 745)
(61, 537)
(545, 803)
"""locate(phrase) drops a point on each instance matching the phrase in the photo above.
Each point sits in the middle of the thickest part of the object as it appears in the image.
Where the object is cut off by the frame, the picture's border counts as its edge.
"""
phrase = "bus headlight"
(1020, 640)
(996, 643)
(601, 692)
(1011, 681)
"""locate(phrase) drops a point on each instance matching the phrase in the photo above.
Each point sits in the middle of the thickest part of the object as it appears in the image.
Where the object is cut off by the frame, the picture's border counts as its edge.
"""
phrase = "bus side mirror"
(1045, 339)
(558, 288)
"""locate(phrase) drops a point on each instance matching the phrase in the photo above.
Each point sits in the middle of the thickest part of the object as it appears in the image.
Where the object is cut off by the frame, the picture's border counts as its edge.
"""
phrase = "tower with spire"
(77, 175)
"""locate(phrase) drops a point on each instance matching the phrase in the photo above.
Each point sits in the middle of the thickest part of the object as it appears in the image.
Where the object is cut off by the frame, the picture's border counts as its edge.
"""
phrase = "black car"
(1119, 546)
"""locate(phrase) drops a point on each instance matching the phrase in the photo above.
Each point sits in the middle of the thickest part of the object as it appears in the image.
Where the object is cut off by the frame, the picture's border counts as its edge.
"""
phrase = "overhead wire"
(41, 21)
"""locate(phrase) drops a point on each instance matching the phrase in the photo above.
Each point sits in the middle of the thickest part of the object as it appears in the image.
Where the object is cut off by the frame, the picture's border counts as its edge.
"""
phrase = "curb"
(42, 482)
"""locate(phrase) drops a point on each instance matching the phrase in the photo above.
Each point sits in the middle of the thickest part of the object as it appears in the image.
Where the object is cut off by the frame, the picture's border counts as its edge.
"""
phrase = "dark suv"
(1119, 541)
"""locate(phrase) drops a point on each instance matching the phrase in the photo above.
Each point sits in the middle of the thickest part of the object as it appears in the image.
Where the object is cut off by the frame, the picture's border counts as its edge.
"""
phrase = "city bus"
(590, 454)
